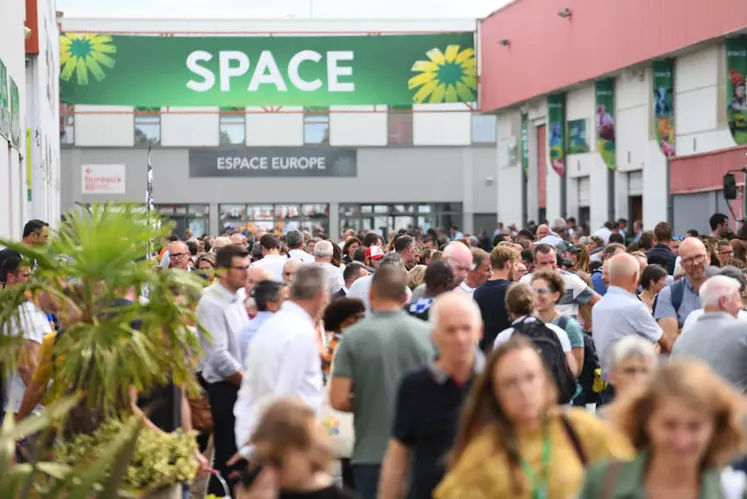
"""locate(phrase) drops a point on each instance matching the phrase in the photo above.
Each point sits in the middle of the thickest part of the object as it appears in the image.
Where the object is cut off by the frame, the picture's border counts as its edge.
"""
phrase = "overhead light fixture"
(505, 42)
(565, 13)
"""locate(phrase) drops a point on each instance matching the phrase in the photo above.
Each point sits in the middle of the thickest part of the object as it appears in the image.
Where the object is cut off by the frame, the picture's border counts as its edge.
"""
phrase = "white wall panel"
(654, 186)
(631, 137)
(363, 128)
(697, 69)
(191, 127)
(599, 194)
(711, 140)
(571, 200)
(452, 127)
(284, 128)
(104, 126)
(553, 192)
(509, 176)
(696, 110)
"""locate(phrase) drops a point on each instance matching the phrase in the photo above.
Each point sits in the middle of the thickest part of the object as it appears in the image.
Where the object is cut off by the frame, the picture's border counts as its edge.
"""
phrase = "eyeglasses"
(543, 291)
(693, 260)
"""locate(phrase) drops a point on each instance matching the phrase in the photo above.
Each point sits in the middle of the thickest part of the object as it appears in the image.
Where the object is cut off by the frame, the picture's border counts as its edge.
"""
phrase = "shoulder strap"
(678, 293)
(575, 441)
(609, 479)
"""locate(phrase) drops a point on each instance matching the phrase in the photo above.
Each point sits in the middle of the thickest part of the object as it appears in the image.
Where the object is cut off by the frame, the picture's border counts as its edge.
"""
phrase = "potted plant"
(115, 343)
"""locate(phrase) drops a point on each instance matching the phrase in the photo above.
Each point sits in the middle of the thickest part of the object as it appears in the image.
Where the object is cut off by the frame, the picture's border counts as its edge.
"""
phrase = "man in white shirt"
(221, 312)
(34, 326)
(361, 289)
(283, 358)
(294, 240)
(554, 237)
(323, 253)
(481, 272)
(271, 260)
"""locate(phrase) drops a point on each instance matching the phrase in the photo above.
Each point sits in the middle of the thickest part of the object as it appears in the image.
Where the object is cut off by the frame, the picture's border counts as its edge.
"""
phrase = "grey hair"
(558, 225)
(294, 239)
(323, 249)
(629, 347)
(393, 258)
(474, 241)
(717, 287)
(310, 280)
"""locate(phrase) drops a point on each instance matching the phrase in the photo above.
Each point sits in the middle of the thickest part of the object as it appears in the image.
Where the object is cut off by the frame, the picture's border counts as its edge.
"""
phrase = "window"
(484, 129)
(316, 125)
(399, 123)
(193, 217)
(278, 218)
(383, 218)
(233, 125)
(67, 124)
(147, 125)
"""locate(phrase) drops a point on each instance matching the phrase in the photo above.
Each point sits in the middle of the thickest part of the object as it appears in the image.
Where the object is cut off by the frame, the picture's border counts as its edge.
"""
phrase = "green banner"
(605, 116)
(663, 72)
(556, 137)
(4, 102)
(158, 71)
(577, 143)
(736, 66)
(525, 144)
(15, 115)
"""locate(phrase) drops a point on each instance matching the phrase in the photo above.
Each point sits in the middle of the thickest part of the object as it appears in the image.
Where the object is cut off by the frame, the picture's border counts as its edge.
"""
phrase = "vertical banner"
(604, 92)
(556, 139)
(525, 144)
(15, 114)
(4, 102)
(736, 88)
(27, 159)
(664, 105)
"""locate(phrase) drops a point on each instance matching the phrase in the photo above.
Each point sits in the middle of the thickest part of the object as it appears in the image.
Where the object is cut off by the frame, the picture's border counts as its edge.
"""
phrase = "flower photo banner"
(736, 88)
(556, 138)
(577, 143)
(663, 72)
(604, 92)
(4, 102)
(156, 71)
(525, 144)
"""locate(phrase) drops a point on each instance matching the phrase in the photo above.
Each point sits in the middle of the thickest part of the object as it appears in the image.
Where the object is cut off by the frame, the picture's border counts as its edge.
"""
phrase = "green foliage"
(103, 252)
(47, 480)
(158, 459)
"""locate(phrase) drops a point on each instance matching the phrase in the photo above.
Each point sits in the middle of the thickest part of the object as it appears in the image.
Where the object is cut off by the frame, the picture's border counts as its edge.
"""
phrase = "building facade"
(673, 94)
(430, 165)
(12, 121)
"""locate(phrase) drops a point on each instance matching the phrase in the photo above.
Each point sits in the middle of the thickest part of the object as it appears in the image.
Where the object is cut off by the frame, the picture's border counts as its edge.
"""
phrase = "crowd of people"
(544, 362)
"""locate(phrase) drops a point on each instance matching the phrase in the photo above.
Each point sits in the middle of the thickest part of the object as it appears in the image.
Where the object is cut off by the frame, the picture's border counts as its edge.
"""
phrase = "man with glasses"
(725, 251)
(221, 312)
(676, 301)
(179, 256)
(576, 291)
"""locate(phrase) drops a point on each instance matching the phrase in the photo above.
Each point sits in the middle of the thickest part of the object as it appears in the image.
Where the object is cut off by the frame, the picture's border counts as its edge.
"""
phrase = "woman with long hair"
(351, 244)
(581, 259)
(514, 441)
(687, 425)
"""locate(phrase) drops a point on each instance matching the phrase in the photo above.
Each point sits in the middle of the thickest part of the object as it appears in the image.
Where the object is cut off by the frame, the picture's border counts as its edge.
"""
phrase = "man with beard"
(491, 296)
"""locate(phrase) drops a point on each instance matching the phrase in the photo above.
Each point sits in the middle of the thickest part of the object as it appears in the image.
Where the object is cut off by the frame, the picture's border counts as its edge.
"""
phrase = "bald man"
(179, 256)
(542, 232)
(620, 313)
(675, 302)
(431, 397)
(290, 268)
(459, 257)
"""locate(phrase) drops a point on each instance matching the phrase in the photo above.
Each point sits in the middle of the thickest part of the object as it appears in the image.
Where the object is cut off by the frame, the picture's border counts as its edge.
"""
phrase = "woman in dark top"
(293, 454)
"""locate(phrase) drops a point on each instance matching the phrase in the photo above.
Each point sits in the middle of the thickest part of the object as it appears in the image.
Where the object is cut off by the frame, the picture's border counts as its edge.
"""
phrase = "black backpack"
(588, 370)
(551, 350)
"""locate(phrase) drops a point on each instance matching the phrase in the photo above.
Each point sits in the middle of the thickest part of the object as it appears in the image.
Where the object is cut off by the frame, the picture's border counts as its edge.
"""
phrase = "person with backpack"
(550, 340)
(514, 441)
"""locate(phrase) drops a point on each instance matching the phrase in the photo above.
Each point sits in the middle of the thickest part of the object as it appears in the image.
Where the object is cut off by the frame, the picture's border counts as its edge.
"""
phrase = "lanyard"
(539, 483)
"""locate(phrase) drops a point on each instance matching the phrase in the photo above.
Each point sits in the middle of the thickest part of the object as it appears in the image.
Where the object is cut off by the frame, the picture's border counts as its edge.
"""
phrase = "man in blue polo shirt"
(430, 399)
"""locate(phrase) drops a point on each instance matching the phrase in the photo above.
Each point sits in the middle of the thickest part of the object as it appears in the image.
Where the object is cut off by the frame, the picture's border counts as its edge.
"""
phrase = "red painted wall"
(32, 22)
(705, 172)
(547, 52)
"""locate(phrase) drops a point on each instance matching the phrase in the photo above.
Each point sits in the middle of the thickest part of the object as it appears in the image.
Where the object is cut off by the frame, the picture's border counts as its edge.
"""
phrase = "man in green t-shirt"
(370, 362)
